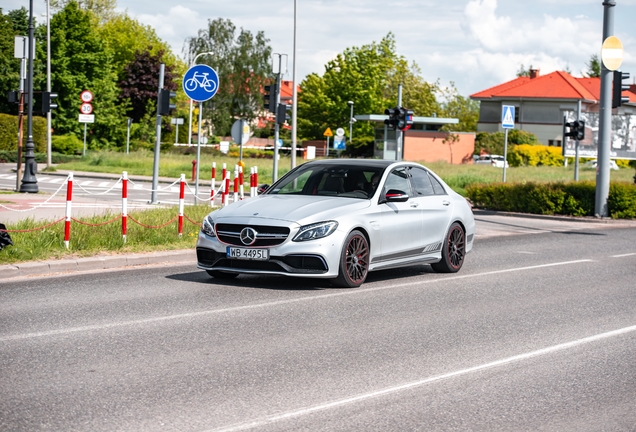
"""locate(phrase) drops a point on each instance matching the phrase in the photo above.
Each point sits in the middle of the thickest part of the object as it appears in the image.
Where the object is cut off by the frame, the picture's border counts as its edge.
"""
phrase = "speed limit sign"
(86, 108)
(86, 96)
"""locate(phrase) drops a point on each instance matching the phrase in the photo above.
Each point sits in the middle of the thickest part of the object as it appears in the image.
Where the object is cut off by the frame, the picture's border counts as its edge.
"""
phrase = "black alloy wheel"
(453, 251)
(354, 261)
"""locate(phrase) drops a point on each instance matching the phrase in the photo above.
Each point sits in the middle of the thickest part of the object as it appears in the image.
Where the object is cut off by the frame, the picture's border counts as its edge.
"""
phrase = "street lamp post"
(351, 121)
(29, 181)
(48, 82)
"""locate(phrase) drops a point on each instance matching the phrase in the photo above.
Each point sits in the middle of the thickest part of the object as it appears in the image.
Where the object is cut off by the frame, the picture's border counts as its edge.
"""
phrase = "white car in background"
(496, 161)
(594, 163)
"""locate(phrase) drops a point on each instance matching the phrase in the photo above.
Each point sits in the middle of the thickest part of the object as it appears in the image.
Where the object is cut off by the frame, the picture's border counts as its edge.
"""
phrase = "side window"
(296, 186)
(398, 179)
(421, 182)
(437, 186)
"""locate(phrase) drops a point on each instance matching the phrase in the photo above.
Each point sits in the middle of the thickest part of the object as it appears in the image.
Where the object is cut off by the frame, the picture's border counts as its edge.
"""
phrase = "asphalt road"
(537, 332)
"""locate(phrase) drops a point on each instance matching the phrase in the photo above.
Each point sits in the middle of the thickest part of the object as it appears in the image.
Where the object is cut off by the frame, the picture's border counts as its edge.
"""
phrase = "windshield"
(348, 181)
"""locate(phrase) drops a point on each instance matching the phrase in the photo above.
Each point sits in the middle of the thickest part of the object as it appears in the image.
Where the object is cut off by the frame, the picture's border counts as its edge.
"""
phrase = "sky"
(476, 44)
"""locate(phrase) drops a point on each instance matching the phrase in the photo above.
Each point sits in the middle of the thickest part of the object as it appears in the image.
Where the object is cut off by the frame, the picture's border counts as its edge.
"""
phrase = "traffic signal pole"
(155, 168)
(276, 125)
(399, 135)
(605, 121)
(576, 144)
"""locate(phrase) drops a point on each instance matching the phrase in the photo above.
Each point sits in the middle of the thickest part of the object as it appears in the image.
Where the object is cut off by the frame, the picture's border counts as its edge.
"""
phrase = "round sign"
(200, 83)
(86, 108)
(612, 53)
(86, 96)
(340, 132)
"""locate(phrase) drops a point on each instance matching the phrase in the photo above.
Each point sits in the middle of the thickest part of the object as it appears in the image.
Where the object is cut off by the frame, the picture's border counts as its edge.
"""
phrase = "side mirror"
(396, 195)
(262, 188)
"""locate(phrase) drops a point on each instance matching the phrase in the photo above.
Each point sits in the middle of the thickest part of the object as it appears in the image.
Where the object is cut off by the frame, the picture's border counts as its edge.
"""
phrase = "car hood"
(302, 209)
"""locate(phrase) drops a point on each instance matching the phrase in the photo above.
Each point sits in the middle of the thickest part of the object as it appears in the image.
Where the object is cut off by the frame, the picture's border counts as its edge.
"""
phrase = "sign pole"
(129, 121)
(155, 168)
(505, 155)
(84, 152)
(196, 184)
(29, 182)
(576, 144)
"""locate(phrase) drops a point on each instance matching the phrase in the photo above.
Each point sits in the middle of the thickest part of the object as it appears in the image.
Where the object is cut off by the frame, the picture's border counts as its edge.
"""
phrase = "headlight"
(208, 226)
(315, 231)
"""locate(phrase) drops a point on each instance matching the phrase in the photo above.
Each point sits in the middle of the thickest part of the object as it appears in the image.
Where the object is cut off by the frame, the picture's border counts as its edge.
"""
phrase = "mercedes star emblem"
(248, 236)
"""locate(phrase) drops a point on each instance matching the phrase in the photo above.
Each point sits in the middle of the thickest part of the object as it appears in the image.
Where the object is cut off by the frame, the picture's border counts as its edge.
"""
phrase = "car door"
(401, 222)
(434, 205)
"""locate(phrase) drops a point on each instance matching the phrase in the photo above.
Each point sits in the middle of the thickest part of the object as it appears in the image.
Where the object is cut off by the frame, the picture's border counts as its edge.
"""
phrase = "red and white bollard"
(69, 200)
(241, 181)
(124, 204)
(213, 191)
(255, 181)
(236, 184)
(227, 189)
(181, 203)
(251, 182)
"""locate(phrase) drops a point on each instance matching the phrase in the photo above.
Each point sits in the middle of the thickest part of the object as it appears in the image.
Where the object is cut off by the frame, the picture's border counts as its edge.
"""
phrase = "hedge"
(9, 133)
(559, 198)
(534, 155)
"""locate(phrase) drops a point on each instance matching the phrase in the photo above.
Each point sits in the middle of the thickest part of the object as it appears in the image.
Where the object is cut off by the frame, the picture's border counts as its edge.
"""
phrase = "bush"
(493, 143)
(9, 133)
(67, 144)
(12, 156)
(535, 155)
(573, 199)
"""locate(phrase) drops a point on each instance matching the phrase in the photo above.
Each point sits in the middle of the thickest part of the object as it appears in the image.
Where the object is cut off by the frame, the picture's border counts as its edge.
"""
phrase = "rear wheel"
(354, 261)
(221, 275)
(453, 251)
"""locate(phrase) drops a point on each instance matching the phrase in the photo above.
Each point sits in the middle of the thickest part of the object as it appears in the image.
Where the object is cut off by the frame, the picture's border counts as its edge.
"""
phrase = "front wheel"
(354, 261)
(221, 274)
(453, 251)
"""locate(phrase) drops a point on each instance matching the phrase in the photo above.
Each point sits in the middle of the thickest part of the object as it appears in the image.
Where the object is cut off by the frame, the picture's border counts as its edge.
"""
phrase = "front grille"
(305, 262)
(266, 235)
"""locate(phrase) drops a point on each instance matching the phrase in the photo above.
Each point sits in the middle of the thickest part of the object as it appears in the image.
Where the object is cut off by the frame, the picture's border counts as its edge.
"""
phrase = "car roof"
(379, 163)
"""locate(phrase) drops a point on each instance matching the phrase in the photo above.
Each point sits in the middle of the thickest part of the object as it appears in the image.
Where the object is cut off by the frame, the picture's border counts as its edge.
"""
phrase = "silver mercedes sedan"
(340, 219)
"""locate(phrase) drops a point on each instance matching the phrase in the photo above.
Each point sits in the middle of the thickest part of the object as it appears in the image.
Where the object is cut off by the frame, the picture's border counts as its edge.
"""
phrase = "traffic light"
(48, 103)
(165, 103)
(270, 98)
(576, 130)
(405, 118)
(13, 96)
(617, 90)
(281, 113)
(393, 114)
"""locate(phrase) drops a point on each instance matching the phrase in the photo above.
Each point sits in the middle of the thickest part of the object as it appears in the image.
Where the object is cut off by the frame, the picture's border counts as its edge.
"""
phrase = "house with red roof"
(541, 101)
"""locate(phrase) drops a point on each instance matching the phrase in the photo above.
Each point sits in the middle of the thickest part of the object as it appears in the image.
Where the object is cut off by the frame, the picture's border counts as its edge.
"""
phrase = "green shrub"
(67, 144)
(9, 133)
(574, 199)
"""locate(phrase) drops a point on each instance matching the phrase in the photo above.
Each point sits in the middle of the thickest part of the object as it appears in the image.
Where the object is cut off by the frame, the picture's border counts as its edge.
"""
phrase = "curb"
(68, 266)
(586, 219)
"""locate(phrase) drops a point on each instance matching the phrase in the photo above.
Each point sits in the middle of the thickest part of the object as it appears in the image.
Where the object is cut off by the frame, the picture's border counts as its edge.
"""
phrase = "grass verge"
(88, 240)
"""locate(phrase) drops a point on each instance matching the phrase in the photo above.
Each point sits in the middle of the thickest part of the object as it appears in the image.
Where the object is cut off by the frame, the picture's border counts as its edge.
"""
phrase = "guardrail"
(223, 191)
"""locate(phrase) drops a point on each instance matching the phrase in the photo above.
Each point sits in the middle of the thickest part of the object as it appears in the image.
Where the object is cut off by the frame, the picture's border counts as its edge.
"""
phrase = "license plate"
(248, 253)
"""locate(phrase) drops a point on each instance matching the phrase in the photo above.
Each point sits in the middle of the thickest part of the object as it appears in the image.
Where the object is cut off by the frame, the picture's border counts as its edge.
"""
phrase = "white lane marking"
(267, 304)
(7, 176)
(527, 253)
(103, 184)
(55, 180)
(86, 182)
(624, 255)
(390, 390)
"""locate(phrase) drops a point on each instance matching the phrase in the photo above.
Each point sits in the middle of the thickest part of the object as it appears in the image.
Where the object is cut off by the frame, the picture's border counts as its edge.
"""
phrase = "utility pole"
(48, 83)
(294, 93)
(398, 132)
(605, 121)
(29, 181)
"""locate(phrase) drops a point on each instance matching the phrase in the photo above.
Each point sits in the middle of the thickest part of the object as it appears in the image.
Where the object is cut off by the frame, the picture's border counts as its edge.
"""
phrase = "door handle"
(414, 205)
(446, 203)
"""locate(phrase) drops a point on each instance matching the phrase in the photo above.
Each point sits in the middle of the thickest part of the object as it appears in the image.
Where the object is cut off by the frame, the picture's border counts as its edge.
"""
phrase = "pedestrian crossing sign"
(508, 117)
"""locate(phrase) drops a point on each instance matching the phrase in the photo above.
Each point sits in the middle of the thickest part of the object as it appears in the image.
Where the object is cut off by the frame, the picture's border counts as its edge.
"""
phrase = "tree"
(9, 66)
(493, 143)
(593, 67)
(243, 64)
(102, 10)
(457, 106)
(368, 76)
(141, 81)
(523, 72)
(80, 61)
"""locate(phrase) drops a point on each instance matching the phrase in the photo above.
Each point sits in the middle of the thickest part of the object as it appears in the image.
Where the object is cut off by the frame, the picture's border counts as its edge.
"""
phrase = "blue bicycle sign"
(200, 83)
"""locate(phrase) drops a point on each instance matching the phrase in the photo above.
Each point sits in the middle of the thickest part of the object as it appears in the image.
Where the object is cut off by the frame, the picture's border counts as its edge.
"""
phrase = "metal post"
(294, 93)
(276, 125)
(190, 124)
(200, 135)
(48, 83)
(20, 123)
(576, 144)
(605, 121)
(351, 122)
(155, 168)
(398, 132)
(84, 151)
(505, 155)
(129, 122)
(29, 181)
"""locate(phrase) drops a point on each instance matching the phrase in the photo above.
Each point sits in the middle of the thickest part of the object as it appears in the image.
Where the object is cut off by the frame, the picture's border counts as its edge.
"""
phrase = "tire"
(354, 261)
(221, 275)
(453, 251)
